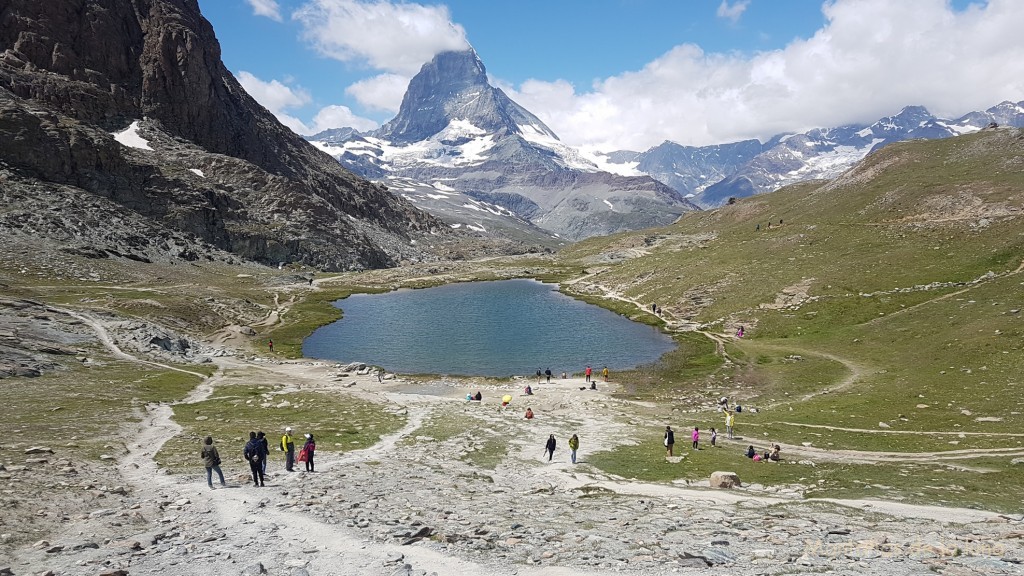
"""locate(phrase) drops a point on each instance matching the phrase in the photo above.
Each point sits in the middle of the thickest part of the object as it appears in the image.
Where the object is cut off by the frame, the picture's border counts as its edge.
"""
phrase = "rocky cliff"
(197, 155)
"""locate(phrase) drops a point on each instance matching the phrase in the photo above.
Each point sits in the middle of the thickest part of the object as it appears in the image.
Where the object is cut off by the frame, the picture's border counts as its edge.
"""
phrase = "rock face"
(203, 159)
(725, 480)
(475, 144)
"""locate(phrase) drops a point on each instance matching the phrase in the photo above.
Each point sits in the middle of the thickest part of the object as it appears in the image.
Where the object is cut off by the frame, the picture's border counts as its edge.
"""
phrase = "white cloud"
(268, 8)
(732, 12)
(382, 92)
(394, 37)
(335, 116)
(871, 58)
(273, 95)
(282, 99)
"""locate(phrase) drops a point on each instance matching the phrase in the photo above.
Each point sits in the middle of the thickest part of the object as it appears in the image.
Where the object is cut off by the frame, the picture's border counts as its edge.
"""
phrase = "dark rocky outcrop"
(221, 166)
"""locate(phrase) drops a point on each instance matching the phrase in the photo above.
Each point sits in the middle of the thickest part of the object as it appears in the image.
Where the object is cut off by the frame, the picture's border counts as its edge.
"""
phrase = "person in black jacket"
(264, 450)
(670, 439)
(549, 447)
(254, 455)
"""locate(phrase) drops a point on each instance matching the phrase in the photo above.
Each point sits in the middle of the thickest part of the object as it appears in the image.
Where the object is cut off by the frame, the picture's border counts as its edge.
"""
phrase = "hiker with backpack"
(288, 446)
(211, 458)
(254, 455)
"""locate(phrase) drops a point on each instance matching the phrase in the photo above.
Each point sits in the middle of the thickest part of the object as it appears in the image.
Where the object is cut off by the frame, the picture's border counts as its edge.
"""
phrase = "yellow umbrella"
(506, 398)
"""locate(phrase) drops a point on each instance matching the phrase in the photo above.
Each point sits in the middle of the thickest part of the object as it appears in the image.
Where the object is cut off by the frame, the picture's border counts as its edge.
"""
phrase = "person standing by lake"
(604, 373)
(549, 447)
(547, 375)
(288, 446)
(211, 458)
(587, 373)
(574, 445)
(670, 439)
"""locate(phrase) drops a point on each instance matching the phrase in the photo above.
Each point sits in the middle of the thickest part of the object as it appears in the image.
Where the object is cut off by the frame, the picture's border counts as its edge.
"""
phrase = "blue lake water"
(501, 328)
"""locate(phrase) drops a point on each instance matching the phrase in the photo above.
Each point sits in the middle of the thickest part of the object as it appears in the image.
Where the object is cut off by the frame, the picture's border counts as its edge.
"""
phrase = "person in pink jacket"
(696, 437)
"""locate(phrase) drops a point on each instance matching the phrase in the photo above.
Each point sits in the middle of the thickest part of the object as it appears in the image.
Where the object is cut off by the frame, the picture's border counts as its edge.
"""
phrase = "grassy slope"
(910, 216)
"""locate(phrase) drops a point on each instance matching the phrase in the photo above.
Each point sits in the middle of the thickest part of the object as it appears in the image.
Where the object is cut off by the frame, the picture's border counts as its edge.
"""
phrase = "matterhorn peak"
(453, 87)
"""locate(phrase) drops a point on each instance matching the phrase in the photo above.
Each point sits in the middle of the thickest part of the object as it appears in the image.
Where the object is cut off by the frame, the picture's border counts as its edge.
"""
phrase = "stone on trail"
(725, 480)
(39, 450)
(254, 569)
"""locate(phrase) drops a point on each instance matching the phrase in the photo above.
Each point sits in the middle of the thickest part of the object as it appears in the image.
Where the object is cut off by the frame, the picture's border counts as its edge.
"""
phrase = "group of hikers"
(257, 453)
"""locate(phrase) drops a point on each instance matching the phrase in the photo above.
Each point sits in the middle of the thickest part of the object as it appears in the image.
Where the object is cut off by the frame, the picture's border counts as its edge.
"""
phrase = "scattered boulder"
(725, 480)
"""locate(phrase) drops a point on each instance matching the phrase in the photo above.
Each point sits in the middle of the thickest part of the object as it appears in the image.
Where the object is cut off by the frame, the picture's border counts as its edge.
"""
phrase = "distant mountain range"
(710, 175)
(461, 149)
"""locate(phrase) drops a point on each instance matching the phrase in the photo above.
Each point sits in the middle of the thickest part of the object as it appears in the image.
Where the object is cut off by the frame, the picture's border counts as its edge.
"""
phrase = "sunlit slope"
(903, 276)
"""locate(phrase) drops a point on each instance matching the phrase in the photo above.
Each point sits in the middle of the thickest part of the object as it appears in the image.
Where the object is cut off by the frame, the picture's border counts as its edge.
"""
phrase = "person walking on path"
(730, 420)
(547, 374)
(549, 447)
(211, 458)
(604, 373)
(288, 446)
(587, 373)
(696, 437)
(670, 439)
(308, 449)
(574, 445)
(714, 437)
(264, 449)
(270, 345)
(253, 455)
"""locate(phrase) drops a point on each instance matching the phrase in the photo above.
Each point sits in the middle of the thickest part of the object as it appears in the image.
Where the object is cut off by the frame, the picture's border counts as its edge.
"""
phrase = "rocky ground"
(445, 504)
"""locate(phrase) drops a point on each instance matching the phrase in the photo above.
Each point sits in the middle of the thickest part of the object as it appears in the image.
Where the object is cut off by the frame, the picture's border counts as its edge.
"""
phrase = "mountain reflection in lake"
(484, 329)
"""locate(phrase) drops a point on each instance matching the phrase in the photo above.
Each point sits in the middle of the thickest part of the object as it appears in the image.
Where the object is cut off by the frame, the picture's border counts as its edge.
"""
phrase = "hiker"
(547, 375)
(604, 373)
(654, 306)
(478, 396)
(564, 375)
(714, 437)
(538, 375)
(306, 454)
(380, 375)
(774, 455)
(288, 446)
(723, 404)
(270, 344)
(212, 461)
(264, 449)
(730, 420)
(587, 373)
(696, 437)
(253, 456)
(528, 390)
(574, 445)
(751, 452)
(739, 333)
(549, 447)
(529, 413)
(670, 439)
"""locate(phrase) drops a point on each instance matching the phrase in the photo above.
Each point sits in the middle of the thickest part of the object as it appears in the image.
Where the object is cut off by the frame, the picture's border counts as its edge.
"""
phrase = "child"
(696, 437)
(714, 436)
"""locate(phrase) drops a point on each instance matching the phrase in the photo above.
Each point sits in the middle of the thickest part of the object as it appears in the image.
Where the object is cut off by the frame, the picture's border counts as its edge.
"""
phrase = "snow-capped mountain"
(465, 137)
(710, 175)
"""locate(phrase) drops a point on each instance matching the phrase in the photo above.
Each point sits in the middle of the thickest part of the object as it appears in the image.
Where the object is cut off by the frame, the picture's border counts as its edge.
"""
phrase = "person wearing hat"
(288, 446)
(306, 455)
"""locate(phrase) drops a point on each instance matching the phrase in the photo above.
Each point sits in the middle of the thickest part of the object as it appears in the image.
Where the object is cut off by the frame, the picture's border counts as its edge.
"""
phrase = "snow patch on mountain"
(130, 137)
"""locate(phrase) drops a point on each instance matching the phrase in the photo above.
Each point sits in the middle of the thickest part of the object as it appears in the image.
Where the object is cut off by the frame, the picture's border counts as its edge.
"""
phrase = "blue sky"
(612, 74)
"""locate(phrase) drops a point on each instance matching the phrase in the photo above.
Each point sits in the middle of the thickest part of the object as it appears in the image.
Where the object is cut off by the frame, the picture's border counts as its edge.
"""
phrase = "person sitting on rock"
(529, 413)
(478, 396)
(528, 390)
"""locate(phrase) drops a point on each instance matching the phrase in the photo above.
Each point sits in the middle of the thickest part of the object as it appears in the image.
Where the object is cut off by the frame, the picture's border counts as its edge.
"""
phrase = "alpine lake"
(499, 328)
